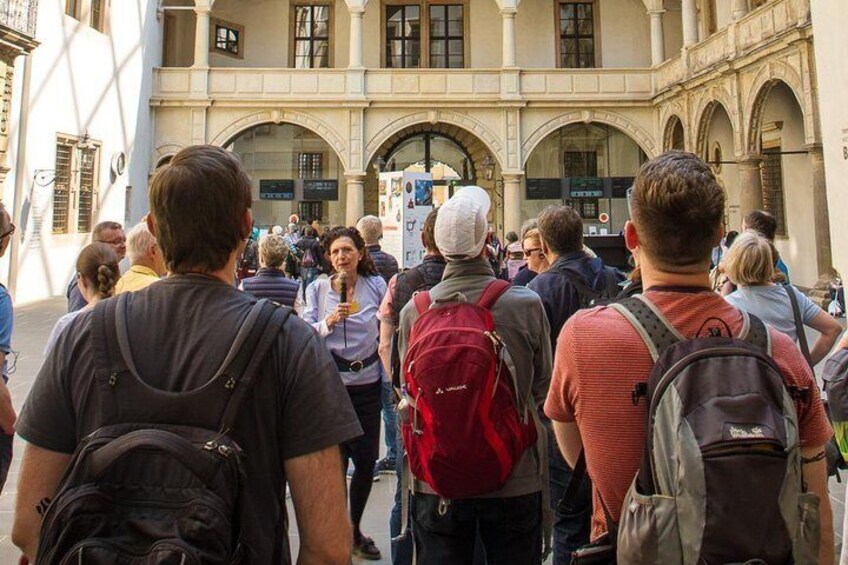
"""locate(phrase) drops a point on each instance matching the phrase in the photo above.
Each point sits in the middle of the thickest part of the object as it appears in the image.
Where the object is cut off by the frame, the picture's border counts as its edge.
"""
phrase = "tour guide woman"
(351, 332)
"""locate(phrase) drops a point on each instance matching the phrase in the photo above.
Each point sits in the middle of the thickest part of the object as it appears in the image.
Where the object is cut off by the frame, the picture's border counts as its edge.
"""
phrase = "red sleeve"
(386, 311)
(814, 427)
(559, 405)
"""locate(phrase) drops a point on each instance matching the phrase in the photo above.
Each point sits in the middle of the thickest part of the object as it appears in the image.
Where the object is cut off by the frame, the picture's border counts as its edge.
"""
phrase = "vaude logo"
(752, 432)
(441, 390)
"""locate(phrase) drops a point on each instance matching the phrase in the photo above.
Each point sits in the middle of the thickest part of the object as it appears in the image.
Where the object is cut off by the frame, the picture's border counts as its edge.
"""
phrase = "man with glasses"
(110, 233)
(7, 412)
(574, 280)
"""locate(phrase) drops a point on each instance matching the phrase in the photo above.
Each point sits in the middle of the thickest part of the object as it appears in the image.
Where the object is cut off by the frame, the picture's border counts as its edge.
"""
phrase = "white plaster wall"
(798, 249)
(625, 34)
(81, 80)
(673, 29)
(830, 20)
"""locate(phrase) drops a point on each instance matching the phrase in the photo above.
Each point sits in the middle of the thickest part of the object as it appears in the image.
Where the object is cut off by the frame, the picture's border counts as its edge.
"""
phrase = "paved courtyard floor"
(32, 326)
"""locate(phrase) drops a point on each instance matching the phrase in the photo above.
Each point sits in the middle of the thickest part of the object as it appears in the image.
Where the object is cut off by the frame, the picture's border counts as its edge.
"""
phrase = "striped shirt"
(600, 358)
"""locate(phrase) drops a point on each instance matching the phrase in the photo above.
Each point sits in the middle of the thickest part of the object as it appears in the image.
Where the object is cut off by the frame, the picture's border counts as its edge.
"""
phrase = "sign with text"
(544, 189)
(276, 189)
(314, 189)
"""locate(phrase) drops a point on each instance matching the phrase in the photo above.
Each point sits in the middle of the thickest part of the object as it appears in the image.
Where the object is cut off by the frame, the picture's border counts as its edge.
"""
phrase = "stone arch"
(163, 152)
(766, 79)
(642, 138)
(302, 119)
(671, 123)
(462, 121)
(704, 116)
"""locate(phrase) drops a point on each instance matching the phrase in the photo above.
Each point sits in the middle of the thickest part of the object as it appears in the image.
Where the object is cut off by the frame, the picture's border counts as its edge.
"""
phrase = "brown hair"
(428, 230)
(562, 229)
(272, 251)
(677, 208)
(198, 203)
(761, 222)
(366, 264)
(98, 265)
(104, 226)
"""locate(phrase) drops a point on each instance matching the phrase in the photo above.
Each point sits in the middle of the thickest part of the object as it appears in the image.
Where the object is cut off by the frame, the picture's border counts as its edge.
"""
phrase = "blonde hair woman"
(749, 264)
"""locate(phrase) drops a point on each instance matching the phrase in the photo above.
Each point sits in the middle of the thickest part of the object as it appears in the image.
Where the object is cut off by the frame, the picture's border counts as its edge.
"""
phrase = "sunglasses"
(530, 252)
(8, 233)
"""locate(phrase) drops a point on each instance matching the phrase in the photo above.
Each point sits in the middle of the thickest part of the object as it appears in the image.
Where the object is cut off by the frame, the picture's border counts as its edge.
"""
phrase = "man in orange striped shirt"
(677, 209)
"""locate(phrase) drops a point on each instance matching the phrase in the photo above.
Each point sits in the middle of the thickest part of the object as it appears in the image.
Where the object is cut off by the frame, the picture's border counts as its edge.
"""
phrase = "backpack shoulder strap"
(756, 333)
(265, 322)
(492, 292)
(799, 322)
(650, 323)
(422, 301)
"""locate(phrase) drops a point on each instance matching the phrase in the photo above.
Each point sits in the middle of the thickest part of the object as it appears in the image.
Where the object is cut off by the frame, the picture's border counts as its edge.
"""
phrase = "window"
(403, 37)
(771, 173)
(311, 37)
(442, 42)
(577, 35)
(588, 208)
(72, 8)
(97, 15)
(310, 165)
(580, 164)
(310, 210)
(228, 38)
(446, 37)
(75, 185)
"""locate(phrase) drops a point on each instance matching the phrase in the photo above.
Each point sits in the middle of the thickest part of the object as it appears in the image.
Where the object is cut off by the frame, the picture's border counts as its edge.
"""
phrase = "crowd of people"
(548, 397)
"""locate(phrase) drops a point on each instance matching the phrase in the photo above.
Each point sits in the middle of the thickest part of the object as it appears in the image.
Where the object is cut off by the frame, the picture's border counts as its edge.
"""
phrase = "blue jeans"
(510, 530)
(572, 527)
(308, 274)
(389, 419)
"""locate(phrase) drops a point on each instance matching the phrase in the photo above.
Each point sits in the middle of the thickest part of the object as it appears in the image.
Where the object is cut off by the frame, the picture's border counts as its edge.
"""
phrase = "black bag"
(161, 482)
(589, 297)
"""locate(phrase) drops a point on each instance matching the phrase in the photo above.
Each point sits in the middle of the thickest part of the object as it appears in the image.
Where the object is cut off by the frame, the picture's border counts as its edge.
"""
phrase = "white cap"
(461, 226)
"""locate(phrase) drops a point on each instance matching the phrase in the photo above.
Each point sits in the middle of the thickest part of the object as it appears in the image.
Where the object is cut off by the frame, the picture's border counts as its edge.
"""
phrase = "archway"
(788, 187)
(590, 166)
(450, 153)
(674, 136)
(293, 171)
(715, 145)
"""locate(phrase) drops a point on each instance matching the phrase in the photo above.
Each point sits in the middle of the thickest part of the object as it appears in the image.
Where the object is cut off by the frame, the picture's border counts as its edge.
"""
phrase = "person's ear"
(151, 224)
(631, 236)
(247, 223)
(546, 251)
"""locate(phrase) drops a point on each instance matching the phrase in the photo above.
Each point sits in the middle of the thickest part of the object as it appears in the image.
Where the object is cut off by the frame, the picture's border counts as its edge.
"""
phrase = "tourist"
(110, 233)
(270, 281)
(147, 265)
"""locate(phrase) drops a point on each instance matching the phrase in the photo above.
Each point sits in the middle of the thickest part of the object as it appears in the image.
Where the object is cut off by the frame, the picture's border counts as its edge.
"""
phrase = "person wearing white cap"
(510, 520)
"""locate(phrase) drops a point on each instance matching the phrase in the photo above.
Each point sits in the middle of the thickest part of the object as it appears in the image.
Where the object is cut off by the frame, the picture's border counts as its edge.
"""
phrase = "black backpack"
(589, 297)
(161, 481)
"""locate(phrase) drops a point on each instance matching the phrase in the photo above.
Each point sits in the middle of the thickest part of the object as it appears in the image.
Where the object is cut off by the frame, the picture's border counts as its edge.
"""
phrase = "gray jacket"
(521, 321)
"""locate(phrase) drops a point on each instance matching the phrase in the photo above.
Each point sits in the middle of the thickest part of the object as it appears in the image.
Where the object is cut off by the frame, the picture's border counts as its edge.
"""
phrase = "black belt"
(345, 366)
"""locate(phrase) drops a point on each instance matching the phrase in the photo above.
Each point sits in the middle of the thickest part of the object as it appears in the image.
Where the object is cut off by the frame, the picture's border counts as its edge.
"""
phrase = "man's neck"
(652, 277)
(225, 274)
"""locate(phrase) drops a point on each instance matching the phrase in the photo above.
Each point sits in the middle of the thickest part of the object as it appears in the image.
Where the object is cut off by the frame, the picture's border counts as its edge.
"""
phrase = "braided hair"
(98, 265)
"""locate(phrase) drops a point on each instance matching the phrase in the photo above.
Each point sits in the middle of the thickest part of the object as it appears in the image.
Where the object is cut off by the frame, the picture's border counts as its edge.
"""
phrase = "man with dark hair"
(401, 289)
(110, 233)
(574, 280)
(765, 224)
(181, 328)
(677, 207)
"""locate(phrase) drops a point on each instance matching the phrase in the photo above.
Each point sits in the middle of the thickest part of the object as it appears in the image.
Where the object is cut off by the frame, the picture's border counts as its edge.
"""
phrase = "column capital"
(355, 176)
(656, 12)
(814, 148)
(749, 160)
(356, 11)
(203, 10)
(509, 12)
(512, 176)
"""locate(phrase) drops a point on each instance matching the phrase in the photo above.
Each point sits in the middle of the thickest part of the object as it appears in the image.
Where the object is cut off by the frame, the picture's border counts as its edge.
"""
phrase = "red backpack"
(465, 428)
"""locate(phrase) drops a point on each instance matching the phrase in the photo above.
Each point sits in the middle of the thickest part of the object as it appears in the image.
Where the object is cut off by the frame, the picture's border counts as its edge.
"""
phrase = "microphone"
(343, 286)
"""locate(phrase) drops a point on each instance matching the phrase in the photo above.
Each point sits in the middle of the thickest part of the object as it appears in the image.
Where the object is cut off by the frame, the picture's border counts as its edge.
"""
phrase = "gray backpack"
(720, 479)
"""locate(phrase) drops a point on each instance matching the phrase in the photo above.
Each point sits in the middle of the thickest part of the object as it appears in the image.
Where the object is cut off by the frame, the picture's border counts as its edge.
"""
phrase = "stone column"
(509, 59)
(512, 202)
(750, 184)
(824, 257)
(355, 201)
(690, 23)
(657, 37)
(201, 36)
(738, 8)
(8, 54)
(356, 14)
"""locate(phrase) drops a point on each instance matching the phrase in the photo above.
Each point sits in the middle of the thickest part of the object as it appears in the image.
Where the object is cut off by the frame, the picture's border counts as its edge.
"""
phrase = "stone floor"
(32, 326)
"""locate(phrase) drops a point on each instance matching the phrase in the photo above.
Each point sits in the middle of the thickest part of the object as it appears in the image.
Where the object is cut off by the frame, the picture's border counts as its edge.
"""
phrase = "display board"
(405, 200)
(544, 189)
(279, 189)
(324, 189)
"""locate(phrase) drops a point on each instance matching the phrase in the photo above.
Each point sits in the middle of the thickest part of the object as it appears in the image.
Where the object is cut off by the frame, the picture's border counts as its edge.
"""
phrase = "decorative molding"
(464, 121)
(710, 98)
(277, 116)
(642, 138)
(769, 75)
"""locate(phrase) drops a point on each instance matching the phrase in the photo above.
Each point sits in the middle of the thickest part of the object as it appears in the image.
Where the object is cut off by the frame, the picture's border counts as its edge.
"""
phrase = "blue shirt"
(6, 321)
(361, 328)
(771, 304)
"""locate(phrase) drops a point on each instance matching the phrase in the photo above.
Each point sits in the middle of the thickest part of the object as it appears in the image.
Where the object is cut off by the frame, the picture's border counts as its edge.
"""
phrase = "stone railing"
(19, 15)
(403, 84)
(755, 30)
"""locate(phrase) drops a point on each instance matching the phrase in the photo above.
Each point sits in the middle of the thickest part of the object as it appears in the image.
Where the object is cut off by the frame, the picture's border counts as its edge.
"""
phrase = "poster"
(405, 200)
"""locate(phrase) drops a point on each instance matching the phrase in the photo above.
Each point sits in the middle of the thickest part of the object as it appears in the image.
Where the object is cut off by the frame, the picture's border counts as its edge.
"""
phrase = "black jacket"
(387, 265)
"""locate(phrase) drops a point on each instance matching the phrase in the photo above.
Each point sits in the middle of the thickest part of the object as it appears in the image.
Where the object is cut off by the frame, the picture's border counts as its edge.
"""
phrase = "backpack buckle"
(356, 366)
(640, 390)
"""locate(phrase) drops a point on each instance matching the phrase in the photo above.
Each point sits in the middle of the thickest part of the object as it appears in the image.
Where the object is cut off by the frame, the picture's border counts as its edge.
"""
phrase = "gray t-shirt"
(771, 304)
(180, 330)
